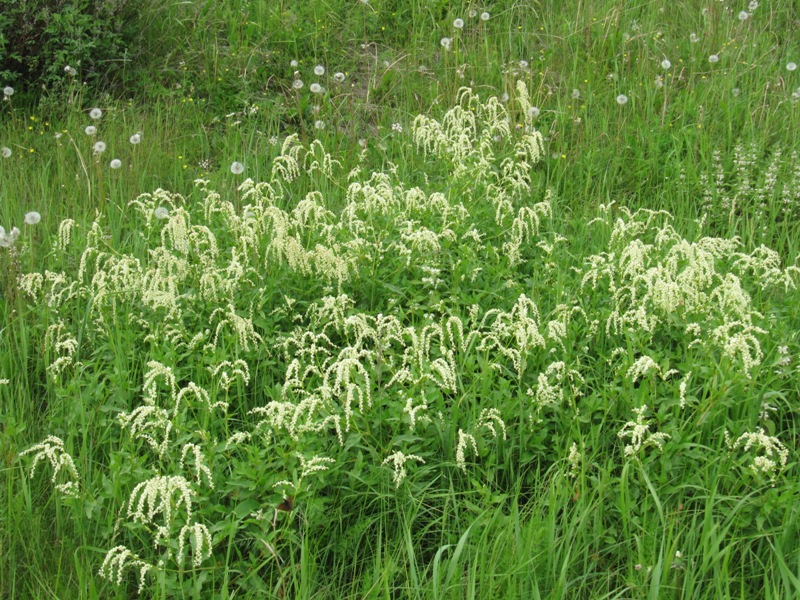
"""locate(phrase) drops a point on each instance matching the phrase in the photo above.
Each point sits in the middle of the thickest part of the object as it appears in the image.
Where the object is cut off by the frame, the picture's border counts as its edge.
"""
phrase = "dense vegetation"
(405, 299)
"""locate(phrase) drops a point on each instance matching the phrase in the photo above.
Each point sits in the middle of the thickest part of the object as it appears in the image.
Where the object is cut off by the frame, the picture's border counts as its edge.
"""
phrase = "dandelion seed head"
(338, 77)
(458, 23)
(297, 84)
(319, 124)
(315, 88)
(32, 218)
(237, 168)
(319, 70)
(99, 147)
(576, 93)
(472, 13)
(694, 38)
(8, 91)
(5, 151)
(70, 71)
(116, 163)
(665, 64)
(161, 213)
(90, 130)
(485, 16)
(752, 6)
(534, 112)
(135, 138)
(790, 66)
(293, 63)
(714, 58)
(446, 42)
(523, 64)
(622, 99)
(95, 113)
(744, 15)
(736, 91)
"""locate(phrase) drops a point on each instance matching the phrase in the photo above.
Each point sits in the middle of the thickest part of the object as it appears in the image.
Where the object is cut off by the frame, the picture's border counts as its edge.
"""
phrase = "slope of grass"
(537, 340)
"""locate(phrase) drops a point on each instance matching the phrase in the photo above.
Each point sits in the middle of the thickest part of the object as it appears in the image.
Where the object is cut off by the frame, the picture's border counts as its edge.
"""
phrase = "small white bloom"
(116, 163)
(319, 70)
(237, 168)
(744, 15)
(95, 113)
(338, 77)
(665, 64)
(5, 151)
(297, 84)
(714, 58)
(135, 138)
(161, 212)
(458, 23)
(32, 218)
(90, 130)
(99, 147)
(315, 88)
(678, 554)
(397, 127)
(622, 99)
(485, 16)
(790, 66)
(8, 91)
(398, 460)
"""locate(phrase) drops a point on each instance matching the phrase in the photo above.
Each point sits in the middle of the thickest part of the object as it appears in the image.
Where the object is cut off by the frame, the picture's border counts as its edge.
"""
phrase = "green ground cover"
(414, 299)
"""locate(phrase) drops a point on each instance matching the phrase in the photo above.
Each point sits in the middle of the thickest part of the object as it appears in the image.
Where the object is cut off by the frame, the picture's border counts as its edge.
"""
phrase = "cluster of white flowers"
(639, 434)
(465, 442)
(118, 560)
(771, 454)
(52, 450)
(398, 461)
(574, 459)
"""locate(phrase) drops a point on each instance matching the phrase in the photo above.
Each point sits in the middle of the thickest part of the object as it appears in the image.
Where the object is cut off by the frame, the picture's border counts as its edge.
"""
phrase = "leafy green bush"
(39, 39)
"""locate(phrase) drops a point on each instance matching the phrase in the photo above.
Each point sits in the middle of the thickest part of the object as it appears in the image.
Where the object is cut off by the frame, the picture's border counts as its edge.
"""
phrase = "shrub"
(40, 38)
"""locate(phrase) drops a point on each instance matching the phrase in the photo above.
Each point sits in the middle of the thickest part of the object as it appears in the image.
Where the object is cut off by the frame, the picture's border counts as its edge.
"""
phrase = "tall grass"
(418, 350)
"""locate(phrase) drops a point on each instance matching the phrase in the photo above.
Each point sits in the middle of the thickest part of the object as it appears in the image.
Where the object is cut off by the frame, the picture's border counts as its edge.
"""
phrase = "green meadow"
(405, 299)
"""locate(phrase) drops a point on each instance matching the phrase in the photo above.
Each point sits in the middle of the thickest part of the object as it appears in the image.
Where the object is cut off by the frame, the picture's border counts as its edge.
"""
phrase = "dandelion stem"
(85, 170)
